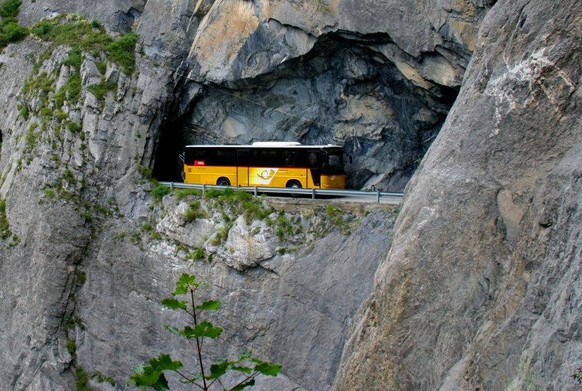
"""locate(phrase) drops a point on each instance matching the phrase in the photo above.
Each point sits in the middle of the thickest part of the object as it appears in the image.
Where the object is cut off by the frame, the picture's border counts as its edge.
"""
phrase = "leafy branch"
(153, 374)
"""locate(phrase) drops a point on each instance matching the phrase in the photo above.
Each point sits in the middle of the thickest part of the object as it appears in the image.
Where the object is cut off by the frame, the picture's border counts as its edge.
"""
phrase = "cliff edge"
(482, 289)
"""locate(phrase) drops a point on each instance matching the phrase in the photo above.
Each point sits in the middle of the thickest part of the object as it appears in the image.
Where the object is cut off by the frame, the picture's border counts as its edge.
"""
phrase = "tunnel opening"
(341, 92)
(168, 164)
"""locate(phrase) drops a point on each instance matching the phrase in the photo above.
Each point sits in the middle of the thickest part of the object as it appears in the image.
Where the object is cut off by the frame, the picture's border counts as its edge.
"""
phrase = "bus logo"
(263, 176)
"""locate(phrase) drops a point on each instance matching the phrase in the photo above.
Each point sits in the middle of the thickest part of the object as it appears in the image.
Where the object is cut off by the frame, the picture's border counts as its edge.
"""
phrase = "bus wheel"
(294, 184)
(223, 182)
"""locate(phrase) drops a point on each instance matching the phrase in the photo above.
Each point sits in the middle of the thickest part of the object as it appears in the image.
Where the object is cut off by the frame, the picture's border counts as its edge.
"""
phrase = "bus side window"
(270, 158)
(244, 158)
(312, 158)
(225, 157)
(289, 159)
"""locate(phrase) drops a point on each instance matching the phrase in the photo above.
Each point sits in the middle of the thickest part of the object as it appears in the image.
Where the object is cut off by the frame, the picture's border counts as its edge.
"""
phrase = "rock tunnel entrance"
(170, 145)
(344, 91)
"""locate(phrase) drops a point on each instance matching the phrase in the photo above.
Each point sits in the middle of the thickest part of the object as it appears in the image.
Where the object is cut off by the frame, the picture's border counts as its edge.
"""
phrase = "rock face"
(293, 307)
(377, 78)
(482, 287)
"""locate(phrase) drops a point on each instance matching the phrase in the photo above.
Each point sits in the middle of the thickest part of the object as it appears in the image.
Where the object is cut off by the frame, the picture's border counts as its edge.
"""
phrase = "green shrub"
(50, 193)
(82, 379)
(70, 91)
(194, 211)
(100, 90)
(71, 346)
(254, 210)
(216, 193)
(9, 8)
(102, 66)
(197, 254)
(159, 191)
(11, 31)
(183, 193)
(122, 51)
(69, 177)
(88, 36)
(147, 227)
(5, 232)
(220, 236)
(24, 112)
(74, 127)
(42, 28)
(75, 58)
(60, 115)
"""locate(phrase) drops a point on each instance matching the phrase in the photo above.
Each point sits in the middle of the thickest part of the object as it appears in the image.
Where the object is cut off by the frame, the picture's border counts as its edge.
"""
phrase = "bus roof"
(267, 144)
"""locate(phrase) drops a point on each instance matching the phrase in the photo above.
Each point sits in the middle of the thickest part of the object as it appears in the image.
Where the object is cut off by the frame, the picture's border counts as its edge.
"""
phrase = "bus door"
(314, 161)
(333, 175)
(242, 169)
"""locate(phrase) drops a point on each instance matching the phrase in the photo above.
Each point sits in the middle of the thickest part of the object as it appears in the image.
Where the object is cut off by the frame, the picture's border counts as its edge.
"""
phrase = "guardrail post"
(312, 194)
(171, 186)
(378, 196)
(203, 190)
(256, 191)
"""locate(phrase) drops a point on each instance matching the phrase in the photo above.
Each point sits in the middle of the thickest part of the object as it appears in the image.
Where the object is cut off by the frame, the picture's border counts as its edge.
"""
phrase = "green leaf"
(165, 363)
(203, 329)
(217, 370)
(242, 386)
(268, 369)
(220, 368)
(245, 370)
(152, 375)
(184, 283)
(211, 305)
(161, 384)
(175, 304)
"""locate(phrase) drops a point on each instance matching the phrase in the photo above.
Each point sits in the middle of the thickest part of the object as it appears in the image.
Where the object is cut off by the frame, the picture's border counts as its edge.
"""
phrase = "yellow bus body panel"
(276, 177)
(209, 175)
(333, 181)
(260, 176)
(242, 176)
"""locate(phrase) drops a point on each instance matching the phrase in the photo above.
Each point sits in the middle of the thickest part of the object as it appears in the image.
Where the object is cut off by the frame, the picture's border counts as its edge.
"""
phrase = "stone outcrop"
(482, 287)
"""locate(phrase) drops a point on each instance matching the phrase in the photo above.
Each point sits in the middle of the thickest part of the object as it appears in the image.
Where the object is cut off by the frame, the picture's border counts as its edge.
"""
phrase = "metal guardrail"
(256, 190)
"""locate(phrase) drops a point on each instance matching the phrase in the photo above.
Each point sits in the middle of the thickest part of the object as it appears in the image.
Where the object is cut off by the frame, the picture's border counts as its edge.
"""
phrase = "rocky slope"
(87, 253)
(482, 287)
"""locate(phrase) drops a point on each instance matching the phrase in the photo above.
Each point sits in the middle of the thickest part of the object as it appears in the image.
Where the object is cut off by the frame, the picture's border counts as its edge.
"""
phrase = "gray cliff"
(480, 287)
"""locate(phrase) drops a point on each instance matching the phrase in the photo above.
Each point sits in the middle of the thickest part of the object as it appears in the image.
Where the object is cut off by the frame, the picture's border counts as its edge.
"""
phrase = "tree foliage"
(153, 374)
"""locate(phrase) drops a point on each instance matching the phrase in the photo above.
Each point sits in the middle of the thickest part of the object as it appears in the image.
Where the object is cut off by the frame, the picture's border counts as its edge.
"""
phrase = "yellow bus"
(268, 164)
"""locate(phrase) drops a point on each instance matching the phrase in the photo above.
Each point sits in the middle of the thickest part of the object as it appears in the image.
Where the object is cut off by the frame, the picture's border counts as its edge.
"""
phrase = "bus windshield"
(334, 163)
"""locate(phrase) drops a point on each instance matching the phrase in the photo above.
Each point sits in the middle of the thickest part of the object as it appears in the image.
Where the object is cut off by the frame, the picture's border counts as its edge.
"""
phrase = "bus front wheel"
(223, 182)
(294, 184)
